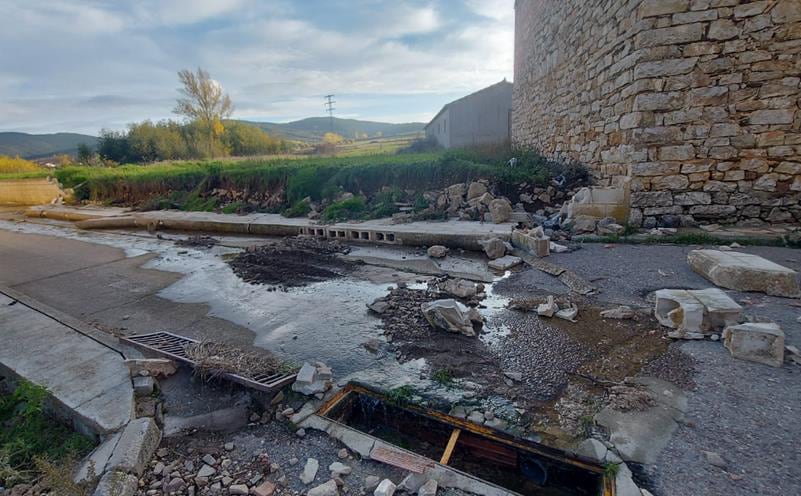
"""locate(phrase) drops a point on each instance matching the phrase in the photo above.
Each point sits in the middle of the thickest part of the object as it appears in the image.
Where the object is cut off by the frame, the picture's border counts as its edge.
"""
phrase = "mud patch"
(292, 262)
(198, 242)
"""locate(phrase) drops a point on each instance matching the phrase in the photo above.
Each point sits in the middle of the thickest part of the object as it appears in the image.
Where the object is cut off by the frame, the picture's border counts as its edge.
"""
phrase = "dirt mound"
(292, 262)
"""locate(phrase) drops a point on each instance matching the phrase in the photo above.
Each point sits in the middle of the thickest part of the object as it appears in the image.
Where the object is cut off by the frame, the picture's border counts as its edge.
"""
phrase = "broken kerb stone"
(449, 315)
(136, 446)
(312, 379)
(504, 263)
(745, 272)
(695, 313)
(761, 342)
(533, 241)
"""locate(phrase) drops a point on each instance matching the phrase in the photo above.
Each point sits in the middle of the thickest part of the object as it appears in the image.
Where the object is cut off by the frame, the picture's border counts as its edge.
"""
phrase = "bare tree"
(203, 101)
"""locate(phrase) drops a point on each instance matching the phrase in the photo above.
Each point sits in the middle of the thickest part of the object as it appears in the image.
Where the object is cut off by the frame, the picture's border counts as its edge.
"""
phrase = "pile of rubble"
(292, 261)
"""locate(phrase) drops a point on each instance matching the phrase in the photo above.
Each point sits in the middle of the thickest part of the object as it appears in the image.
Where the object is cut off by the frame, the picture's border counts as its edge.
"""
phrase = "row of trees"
(206, 132)
(169, 140)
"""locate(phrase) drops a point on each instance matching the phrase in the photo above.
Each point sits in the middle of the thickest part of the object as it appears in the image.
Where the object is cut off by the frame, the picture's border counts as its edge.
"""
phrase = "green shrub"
(352, 208)
(300, 208)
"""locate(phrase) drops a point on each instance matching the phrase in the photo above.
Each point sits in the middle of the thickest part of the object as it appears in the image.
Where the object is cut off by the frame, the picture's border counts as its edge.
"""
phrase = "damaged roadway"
(748, 402)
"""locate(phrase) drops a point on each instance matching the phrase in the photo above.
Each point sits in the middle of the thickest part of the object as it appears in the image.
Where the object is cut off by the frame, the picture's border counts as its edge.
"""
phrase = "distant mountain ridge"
(313, 128)
(310, 129)
(42, 145)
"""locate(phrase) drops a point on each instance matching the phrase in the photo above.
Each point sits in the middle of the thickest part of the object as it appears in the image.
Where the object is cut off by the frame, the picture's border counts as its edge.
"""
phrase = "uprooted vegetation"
(214, 359)
(382, 182)
(31, 442)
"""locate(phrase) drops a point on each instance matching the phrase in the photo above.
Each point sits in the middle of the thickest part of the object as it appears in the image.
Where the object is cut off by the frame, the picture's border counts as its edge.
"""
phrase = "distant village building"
(481, 118)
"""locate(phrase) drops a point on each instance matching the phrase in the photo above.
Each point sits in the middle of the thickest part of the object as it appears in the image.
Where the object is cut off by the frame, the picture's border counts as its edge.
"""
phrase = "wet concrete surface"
(228, 310)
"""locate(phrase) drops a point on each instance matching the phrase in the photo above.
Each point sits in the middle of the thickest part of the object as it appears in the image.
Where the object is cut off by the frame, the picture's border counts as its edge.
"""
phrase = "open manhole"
(517, 465)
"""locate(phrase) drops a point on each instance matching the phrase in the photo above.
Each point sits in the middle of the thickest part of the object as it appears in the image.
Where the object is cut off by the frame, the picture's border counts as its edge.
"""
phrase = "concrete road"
(100, 285)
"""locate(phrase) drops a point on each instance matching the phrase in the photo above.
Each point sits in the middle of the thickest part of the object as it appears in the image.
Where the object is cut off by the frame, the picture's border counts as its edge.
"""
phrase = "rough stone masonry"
(696, 101)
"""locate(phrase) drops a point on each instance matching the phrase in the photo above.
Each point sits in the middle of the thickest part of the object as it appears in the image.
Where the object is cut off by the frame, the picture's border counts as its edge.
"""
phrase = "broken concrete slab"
(504, 263)
(761, 342)
(94, 464)
(696, 311)
(639, 436)
(745, 272)
(136, 446)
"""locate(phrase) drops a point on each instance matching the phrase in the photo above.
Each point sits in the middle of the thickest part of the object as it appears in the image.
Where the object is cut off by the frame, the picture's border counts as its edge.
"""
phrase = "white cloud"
(387, 60)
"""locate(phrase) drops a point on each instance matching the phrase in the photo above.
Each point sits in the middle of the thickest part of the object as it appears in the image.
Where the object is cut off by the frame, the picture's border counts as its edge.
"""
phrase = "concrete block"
(143, 385)
(117, 483)
(136, 446)
(702, 311)
(533, 241)
(504, 263)
(677, 309)
(745, 272)
(756, 342)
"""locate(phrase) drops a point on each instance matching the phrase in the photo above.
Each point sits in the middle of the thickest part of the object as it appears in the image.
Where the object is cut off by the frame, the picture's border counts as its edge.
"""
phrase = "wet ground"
(563, 364)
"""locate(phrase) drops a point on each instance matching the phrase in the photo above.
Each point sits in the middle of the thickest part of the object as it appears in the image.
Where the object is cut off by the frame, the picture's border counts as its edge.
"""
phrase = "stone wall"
(696, 100)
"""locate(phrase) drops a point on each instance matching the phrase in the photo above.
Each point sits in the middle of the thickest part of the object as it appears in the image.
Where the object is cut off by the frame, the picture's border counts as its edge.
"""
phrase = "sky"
(81, 66)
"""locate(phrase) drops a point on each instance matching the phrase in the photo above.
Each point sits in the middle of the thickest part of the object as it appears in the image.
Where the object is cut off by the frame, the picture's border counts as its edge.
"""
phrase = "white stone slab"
(745, 272)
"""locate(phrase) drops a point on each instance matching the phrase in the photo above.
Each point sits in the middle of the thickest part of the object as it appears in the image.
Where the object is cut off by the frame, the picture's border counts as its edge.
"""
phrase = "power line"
(329, 107)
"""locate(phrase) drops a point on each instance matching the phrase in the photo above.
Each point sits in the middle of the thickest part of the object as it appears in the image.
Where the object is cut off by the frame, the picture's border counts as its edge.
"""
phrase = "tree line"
(205, 134)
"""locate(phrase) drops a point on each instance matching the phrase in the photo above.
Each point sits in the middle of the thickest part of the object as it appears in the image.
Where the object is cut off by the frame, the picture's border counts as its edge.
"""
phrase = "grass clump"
(28, 434)
(443, 377)
(400, 396)
(348, 209)
(300, 208)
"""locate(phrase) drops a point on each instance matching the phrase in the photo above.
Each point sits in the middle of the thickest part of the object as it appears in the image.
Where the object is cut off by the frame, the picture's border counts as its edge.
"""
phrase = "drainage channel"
(516, 465)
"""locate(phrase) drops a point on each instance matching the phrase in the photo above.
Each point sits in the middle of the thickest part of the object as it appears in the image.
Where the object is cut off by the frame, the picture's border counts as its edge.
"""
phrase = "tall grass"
(16, 165)
(317, 178)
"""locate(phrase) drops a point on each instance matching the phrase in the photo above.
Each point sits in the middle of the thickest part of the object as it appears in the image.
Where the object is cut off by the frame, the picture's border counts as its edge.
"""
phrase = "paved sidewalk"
(88, 382)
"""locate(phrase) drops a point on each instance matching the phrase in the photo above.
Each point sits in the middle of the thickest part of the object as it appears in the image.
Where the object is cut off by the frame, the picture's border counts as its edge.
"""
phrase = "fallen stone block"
(437, 251)
(385, 488)
(504, 263)
(449, 315)
(622, 312)
(761, 342)
(157, 367)
(143, 385)
(330, 488)
(501, 210)
(136, 446)
(570, 313)
(696, 311)
(309, 380)
(309, 471)
(460, 288)
(428, 489)
(494, 248)
(547, 309)
(745, 272)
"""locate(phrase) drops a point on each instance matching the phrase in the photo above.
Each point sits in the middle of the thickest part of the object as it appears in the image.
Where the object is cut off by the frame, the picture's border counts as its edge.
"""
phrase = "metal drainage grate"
(169, 345)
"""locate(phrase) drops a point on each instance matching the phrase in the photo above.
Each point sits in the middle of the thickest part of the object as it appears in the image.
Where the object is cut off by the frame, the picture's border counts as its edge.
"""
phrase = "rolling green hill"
(312, 129)
(41, 145)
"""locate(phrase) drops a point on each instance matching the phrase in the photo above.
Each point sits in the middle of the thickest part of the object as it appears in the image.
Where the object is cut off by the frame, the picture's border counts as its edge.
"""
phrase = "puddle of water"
(325, 321)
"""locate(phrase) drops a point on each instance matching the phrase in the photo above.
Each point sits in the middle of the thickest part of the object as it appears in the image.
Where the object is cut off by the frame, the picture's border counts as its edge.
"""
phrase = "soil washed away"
(292, 262)
(513, 465)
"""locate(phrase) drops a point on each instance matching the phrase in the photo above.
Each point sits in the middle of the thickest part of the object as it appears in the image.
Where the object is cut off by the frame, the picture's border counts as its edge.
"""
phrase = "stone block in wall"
(712, 211)
(655, 168)
(659, 101)
(652, 8)
(662, 68)
(786, 11)
(674, 35)
(788, 168)
(772, 116)
(674, 182)
(723, 29)
(651, 199)
(692, 198)
(677, 152)
(750, 9)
